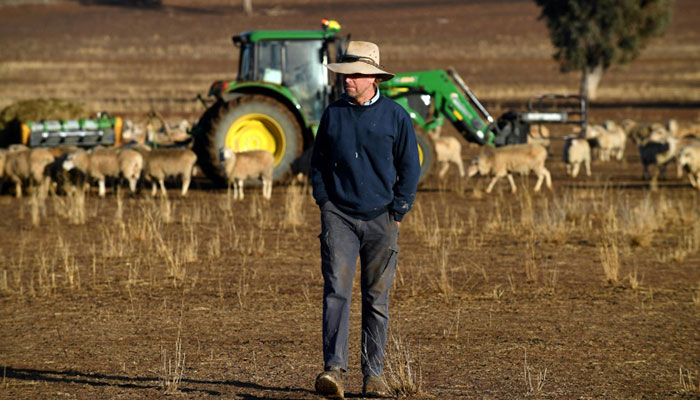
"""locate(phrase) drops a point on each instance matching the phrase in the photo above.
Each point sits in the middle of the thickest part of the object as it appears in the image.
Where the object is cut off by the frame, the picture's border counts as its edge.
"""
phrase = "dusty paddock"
(496, 296)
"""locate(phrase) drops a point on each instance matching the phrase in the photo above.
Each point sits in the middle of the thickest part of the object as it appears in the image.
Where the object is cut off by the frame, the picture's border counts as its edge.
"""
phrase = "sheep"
(683, 142)
(132, 132)
(539, 134)
(176, 133)
(689, 160)
(611, 140)
(577, 151)
(165, 162)
(248, 165)
(521, 158)
(642, 132)
(60, 177)
(22, 164)
(447, 149)
(658, 154)
(101, 163)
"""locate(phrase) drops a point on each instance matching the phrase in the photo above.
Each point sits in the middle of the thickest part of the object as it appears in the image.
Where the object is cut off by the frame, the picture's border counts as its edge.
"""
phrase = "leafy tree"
(591, 35)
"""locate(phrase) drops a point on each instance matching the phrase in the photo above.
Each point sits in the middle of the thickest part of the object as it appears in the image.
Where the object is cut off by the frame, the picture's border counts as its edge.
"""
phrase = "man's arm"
(318, 162)
(407, 167)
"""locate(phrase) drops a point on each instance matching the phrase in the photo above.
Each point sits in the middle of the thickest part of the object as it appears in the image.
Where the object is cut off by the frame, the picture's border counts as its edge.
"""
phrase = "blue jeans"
(343, 238)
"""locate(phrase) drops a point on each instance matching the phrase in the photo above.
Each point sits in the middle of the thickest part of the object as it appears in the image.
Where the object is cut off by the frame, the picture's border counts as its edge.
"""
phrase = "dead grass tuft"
(610, 259)
(403, 373)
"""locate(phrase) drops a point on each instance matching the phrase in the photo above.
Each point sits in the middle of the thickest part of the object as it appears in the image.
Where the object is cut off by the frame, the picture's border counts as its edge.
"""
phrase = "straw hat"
(361, 58)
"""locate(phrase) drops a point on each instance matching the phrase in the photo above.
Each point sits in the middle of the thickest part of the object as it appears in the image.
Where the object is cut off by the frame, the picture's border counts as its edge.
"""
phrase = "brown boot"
(374, 386)
(329, 383)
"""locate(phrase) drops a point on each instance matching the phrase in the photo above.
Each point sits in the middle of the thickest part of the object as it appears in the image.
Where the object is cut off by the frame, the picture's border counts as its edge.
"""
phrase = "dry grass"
(294, 201)
(161, 244)
(534, 388)
(531, 266)
(610, 259)
(172, 366)
(403, 372)
(690, 385)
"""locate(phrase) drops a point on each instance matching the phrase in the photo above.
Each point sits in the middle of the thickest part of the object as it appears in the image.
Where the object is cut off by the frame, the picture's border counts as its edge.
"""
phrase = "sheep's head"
(226, 153)
(474, 167)
(686, 157)
(593, 131)
(672, 126)
(184, 125)
(628, 125)
(76, 159)
(69, 162)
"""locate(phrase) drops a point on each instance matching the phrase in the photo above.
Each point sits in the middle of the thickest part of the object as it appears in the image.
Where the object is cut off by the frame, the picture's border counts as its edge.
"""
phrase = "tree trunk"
(248, 7)
(590, 80)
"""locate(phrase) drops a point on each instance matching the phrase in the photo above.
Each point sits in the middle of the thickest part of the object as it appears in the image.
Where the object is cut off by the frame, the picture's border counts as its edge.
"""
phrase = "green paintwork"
(447, 101)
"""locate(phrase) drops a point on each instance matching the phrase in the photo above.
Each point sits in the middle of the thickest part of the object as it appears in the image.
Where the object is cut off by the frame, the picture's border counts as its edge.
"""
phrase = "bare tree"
(248, 7)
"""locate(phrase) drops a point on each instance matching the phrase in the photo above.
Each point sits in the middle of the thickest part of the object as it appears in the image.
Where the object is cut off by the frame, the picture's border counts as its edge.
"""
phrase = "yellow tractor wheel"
(248, 122)
(426, 155)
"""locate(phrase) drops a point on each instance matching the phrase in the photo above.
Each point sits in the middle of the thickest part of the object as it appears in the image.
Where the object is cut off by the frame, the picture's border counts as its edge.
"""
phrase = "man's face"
(360, 87)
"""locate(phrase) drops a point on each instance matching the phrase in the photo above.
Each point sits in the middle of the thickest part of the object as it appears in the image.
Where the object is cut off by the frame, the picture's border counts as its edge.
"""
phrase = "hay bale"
(13, 115)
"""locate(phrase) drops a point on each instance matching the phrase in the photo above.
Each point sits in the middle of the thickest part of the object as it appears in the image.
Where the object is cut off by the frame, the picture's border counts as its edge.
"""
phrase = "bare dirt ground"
(591, 291)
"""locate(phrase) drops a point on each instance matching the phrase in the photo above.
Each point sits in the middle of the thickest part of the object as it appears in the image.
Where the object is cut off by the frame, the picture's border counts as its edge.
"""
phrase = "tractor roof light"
(330, 25)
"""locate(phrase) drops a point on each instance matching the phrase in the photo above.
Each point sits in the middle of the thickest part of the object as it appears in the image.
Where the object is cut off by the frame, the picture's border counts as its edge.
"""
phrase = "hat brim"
(357, 67)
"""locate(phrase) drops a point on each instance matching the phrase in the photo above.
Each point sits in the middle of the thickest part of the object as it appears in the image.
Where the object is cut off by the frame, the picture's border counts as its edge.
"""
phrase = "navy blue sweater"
(365, 159)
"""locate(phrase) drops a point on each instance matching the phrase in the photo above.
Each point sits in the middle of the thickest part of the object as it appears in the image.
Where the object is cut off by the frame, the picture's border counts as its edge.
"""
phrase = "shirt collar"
(373, 99)
(368, 102)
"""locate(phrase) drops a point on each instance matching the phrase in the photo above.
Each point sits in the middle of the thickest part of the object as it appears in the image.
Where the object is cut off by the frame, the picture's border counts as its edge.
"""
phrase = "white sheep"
(174, 133)
(22, 164)
(611, 140)
(248, 165)
(101, 163)
(520, 158)
(689, 160)
(162, 163)
(576, 152)
(447, 149)
(133, 132)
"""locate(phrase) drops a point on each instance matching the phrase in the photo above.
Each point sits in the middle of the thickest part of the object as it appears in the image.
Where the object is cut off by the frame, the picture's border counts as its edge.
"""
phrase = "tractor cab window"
(270, 62)
(297, 65)
(305, 75)
(244, 67)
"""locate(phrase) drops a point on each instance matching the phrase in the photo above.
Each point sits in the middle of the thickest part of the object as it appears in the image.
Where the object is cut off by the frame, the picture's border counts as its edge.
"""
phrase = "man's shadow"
(130, 382)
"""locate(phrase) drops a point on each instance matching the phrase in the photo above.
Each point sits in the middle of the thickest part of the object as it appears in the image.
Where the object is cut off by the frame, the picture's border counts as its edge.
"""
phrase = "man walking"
(364, 171)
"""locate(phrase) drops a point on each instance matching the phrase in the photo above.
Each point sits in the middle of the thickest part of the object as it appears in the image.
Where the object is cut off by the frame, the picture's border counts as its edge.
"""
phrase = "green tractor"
(283, 87)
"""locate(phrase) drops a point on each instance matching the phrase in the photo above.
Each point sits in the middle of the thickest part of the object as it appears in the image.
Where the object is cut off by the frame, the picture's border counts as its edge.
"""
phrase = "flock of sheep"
(657, 144)
(71, 169)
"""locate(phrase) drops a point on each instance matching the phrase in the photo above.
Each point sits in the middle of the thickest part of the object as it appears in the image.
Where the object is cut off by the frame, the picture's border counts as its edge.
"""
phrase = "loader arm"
(432, 96)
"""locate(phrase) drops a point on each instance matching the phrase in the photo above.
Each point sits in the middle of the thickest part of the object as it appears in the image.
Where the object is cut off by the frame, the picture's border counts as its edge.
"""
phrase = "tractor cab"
(293, 62)
(276, 102)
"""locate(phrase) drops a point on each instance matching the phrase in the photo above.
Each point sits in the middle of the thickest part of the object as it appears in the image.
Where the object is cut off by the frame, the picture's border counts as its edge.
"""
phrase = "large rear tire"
(249, 122)
(426, 155)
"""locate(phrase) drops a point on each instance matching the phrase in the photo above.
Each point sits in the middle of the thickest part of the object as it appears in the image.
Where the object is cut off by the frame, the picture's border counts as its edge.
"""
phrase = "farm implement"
(102, 130)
